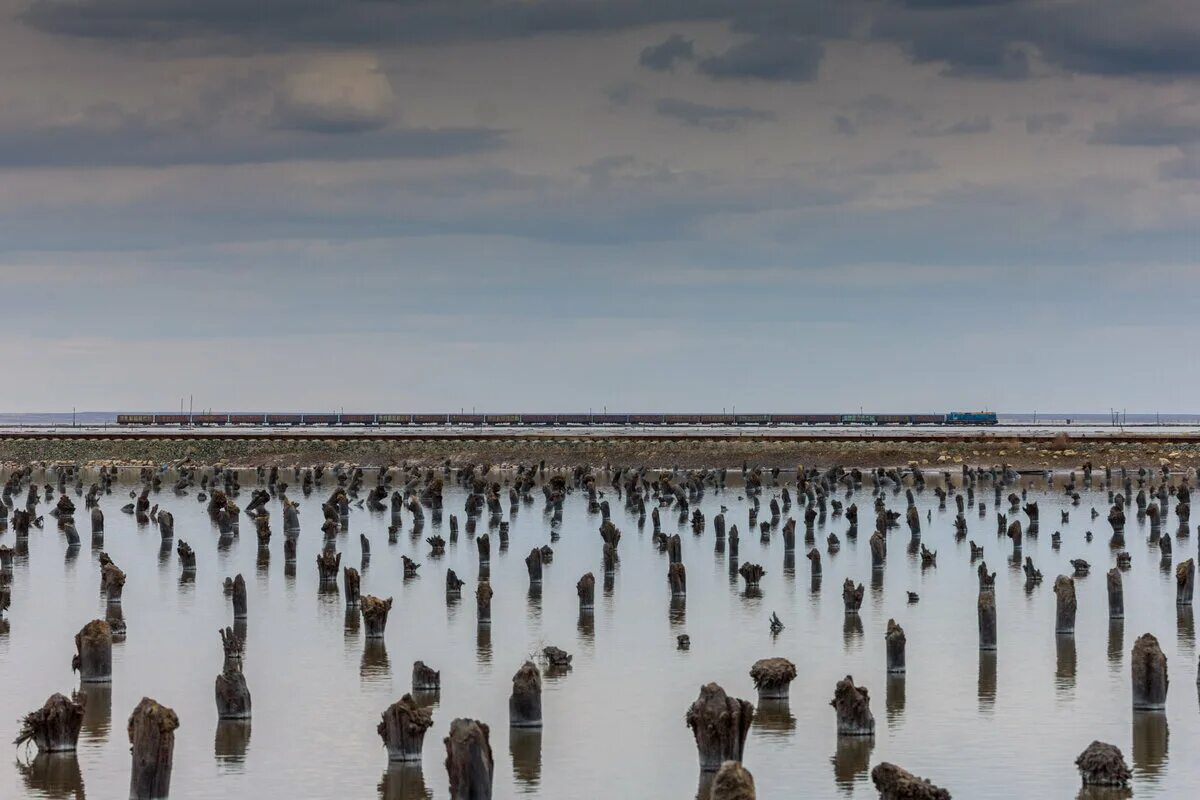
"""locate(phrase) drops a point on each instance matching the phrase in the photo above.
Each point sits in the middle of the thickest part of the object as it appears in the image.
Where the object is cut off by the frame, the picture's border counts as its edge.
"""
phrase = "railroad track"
(904, 436)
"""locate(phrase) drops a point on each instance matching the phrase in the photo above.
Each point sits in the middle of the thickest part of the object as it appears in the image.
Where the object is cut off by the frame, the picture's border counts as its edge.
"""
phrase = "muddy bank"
(617, 451)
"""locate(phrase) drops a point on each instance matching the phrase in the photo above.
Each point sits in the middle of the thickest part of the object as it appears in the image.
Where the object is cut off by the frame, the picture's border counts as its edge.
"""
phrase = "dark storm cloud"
(135, 140)
(662, 57)
(1159, 129)
(713, 118)
(770, 57)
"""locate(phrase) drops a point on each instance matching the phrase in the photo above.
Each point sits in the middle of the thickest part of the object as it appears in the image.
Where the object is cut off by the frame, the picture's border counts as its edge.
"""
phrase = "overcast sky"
(812, 205)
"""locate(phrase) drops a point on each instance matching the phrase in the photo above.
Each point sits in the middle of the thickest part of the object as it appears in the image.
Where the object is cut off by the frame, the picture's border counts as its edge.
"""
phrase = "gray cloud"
(770, 57)
(1048, 122)
(1157, 129)
(713, 118)
(902, 162)
(662, 57)
(980, 124)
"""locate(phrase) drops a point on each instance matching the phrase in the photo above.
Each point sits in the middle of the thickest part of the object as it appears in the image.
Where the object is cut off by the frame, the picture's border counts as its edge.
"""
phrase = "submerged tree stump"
(112, 582)
(93, 653)
(895, 641)
(732, 782)
(752, 574)
(187, 557)
(586, 589)
(720, 725)
(425, 679)
(677, 578)
(152, 736)
(852, 596)
(533, 564)
(483, 602)
(1148, 668)
(402, 727)
(232, 693)
(1116, 594)
(328, 565)
(351, 581)
(1103, 764)
(853, 706)
(375, 614)
(897, 783)
(469, 760)
(454, 584)
(53, 728)
(1064, 593)
(772, 677)
(525, 702)
(240, 610)
(1185, 582)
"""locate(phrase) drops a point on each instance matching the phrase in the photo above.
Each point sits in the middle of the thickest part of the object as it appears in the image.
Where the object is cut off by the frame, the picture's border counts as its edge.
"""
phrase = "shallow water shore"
(695, 452)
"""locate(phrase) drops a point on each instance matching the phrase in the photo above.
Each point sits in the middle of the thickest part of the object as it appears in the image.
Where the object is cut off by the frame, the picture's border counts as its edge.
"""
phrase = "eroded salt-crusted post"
(720, 725)
(772, 678)
(1064, 593)
(402, 727)
(93, 652)
(853, 706)
(1148, 669)
(53, 728)
(525, 702)
(1103, 764)
(732, 782)
(232, 693)
(895, 647)
(897, 783)
(152, 739)
(469, 760)
(374, 614)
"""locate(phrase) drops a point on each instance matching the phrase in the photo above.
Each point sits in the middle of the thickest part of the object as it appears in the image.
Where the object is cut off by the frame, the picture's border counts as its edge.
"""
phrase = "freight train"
(559, 420)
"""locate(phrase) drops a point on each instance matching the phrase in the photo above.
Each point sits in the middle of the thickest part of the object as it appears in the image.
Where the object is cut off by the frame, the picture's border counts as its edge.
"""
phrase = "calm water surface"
(1001, 725)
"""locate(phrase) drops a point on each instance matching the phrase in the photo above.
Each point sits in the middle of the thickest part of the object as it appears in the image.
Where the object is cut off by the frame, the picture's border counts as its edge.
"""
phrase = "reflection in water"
(1186, 626)
(483, 643)
(1116, 639)
(894, 699)
(534, 601)
(587, 626)
(852, 631)
(1104, 793)
(851, 761)
(987, 679)
(403, 782)
(774, 718)
(231, 742)
(97, 709)
(375, 668)
(351, 621)
(54, 775)
(71, 554)
(1149, 744)
(610, 582)
(789, 564)
(677, 613)
(525, 747)
(877, 588)
(1064, 672)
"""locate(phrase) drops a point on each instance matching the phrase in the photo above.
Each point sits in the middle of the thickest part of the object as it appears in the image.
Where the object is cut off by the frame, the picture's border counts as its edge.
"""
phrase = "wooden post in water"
(469, 760)
(152, 739)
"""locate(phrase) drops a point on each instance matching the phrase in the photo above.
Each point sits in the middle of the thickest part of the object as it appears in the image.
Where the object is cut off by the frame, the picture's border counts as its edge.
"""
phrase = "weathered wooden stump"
(852, 596)
(1148, 668)
(677, 578)
(402, 727)
(1185, 582)
(878, 550)
(469, 760)
(152, 736)
(720, 725)
(814, 559)
(483, 603)
(752, 574)
(454, 584)
(1116, 594)
(93, 653)
(533, 564)
(772, 678)
(351, 583)
(732, 782)
(374, 614)
(525, 702)
(897, 783)
(425, 679)
(53, 728)
(484, 545)
(853, 707)
(1064, 593)
(895, 641)
(586, 589)
(239, 597)
(1102, 764)
(232, 693)
(329, 564)
(112, 582)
